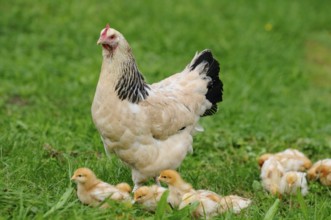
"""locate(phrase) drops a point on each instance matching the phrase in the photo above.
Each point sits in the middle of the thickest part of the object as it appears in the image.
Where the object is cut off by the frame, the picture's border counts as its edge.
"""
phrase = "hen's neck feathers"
(121, 72)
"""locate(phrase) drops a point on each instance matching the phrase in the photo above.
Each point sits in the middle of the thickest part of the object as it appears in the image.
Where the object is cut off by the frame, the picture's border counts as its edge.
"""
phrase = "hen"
(150, 127)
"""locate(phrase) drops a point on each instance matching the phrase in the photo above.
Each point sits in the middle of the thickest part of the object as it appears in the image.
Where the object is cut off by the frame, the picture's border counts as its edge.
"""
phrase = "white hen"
(150, 127)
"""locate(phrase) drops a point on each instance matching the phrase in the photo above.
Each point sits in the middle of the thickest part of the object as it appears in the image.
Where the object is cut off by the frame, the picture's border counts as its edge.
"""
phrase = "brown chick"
(319, 171)
(324, 171)
(177, 186)
(149, 196)
(92, 191)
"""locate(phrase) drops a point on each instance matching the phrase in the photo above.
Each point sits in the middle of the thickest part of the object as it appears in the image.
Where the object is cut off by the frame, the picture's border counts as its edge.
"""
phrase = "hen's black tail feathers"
(215, 86)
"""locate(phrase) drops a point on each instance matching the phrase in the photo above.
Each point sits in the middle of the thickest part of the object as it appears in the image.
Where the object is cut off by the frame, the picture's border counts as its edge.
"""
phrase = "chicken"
(149, 196)
(290, 159)
(271, 173)
(92, 191)
(211, 204)
(124, 187)
(293, 181)
(150, 127)
(321, 170)
(177, 186)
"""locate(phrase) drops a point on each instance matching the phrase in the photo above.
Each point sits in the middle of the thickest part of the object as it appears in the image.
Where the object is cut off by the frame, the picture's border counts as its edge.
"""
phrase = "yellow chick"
(211, 204)
(177, 186)
(149, 196)
(292, 181)
(124, 187)
(290, 159)
(321, 170)
(92, 191)
(233, 203)
(271, 173)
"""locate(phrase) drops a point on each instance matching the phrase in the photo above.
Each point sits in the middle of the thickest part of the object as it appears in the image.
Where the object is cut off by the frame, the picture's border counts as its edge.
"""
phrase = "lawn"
(275, 65)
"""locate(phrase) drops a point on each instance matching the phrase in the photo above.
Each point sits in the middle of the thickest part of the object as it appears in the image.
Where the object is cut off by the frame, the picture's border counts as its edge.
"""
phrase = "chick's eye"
(80, 175)
(164, 177)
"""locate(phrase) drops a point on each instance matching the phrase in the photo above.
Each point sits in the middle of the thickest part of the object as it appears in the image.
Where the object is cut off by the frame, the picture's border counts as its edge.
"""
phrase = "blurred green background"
(275, 65)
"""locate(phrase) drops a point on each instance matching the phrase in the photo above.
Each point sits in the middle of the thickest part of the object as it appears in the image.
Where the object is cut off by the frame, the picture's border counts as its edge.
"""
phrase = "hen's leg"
(137, 179)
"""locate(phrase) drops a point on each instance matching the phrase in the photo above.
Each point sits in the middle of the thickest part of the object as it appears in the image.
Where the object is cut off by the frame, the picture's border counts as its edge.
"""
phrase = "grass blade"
(162, 206)
(303, 205)
(272, 211)
(64, 198)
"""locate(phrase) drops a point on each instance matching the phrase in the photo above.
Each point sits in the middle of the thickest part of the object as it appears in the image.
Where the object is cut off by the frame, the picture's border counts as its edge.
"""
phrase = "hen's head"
(111, 40)
(83, 175)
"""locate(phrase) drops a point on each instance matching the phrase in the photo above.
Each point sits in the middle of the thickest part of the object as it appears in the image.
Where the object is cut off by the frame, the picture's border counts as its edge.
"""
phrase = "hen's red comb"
(104, 33)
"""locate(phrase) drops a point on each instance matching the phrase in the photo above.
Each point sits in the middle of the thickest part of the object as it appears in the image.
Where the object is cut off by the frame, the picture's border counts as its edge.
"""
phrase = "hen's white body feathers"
(155, 132)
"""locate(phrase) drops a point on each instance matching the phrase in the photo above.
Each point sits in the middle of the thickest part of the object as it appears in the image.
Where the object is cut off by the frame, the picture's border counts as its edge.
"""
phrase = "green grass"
(276, 69)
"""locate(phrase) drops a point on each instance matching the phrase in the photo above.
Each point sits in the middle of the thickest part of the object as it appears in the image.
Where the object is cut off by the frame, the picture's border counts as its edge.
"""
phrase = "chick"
(211, 204)
(290, 159)
(124, 187)
(149, 196)
(293, 181)
(207, 207)
(92, 191)
(177, 186)
(234, 203)
(271, 173)
(321, 170)
(325, 174)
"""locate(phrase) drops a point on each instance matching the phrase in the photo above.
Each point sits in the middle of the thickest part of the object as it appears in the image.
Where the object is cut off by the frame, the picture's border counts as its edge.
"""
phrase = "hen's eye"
(112, 36)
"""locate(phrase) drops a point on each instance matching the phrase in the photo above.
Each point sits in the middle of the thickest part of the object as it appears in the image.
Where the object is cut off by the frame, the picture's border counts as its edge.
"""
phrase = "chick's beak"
(72, 178)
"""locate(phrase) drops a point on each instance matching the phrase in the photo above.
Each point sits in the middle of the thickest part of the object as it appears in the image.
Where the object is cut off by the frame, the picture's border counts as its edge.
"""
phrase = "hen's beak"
(103, 35)
(100, 41)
